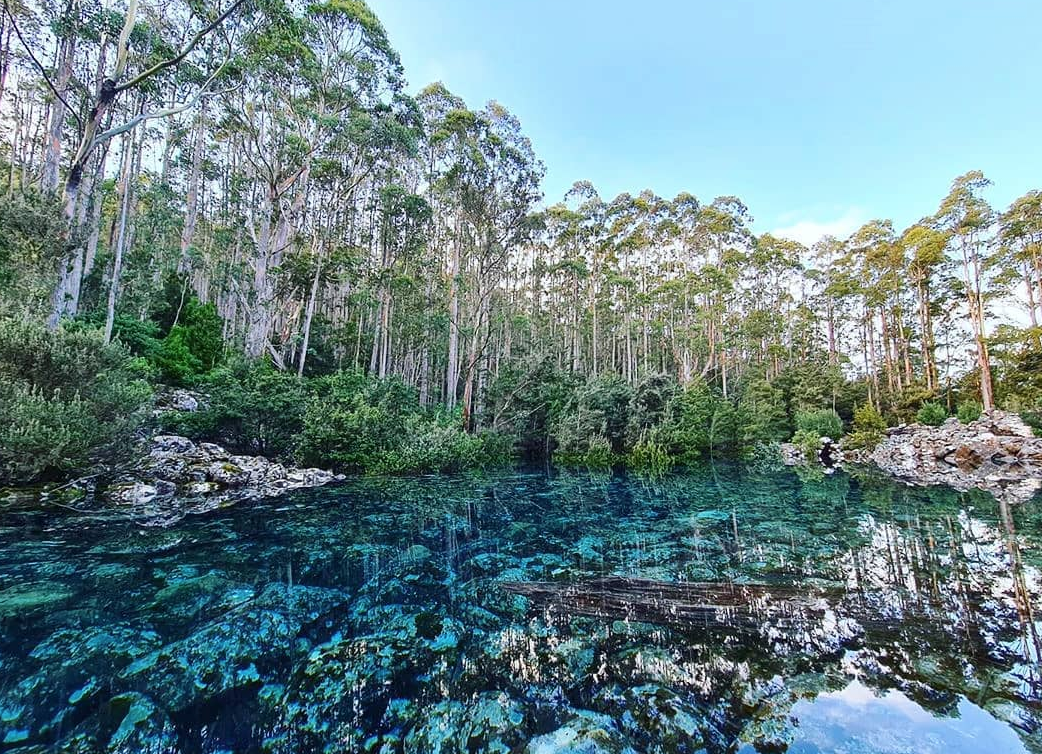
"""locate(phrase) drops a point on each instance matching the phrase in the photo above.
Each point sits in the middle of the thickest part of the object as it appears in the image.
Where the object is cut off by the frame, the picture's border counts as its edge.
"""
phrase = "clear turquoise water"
(385, 616)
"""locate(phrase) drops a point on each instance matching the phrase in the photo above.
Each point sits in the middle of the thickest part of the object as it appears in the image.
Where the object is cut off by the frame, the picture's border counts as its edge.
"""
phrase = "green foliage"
(433, 446)
(598, 411)
(869, 426)
(688, 422)
(174, 357)
(649, 455)
(932, 414)
(821, 422)
(251, 407)
(763, 414)
(31, 240)
(527, 401)
(808, 441)
(968, 411)
(67, 401)
(354, 423)
(648, 407)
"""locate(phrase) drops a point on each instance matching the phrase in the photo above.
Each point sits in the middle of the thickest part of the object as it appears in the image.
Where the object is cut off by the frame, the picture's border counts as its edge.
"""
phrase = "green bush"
(649, 406)
(250, 407)
(932, 414)
(649, 455)
(599, 410)
(354, 423)
(823, 423)
(869, 427)
(968, 411)
(430, 446)
(67, 401)
(809, 442)
(685, 430)
(762, 413)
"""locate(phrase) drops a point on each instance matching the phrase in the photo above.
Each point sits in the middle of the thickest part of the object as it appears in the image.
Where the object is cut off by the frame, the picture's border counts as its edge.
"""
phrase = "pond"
(723, 609)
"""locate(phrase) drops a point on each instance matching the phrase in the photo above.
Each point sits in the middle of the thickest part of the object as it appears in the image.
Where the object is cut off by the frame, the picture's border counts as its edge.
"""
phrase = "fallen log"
(679, 605)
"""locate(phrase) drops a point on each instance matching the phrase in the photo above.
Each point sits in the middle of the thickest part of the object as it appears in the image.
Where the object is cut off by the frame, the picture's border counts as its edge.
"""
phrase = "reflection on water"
(720, 610)
(859, 719)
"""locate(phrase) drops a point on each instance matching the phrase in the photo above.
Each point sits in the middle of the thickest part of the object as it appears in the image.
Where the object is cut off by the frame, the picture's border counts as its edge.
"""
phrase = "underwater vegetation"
(723, 609)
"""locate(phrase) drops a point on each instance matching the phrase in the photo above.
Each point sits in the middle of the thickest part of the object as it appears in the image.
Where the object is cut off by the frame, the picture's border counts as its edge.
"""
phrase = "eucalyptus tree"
(141, 56)
(1020, 237)
(313, 87)
(967, 217)
(926, 259)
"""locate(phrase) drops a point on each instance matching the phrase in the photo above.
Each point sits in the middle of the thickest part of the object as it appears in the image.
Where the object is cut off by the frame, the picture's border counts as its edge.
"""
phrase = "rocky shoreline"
(997, 453)
(172, 477)
(177, 467)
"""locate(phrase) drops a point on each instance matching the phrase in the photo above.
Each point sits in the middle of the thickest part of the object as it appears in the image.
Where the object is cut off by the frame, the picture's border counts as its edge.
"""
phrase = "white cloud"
(809, 232)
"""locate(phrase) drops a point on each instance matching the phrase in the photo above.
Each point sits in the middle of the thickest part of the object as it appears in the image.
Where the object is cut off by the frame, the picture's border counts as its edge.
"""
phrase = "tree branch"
(163, 65)
(39, 65)
(166, 112)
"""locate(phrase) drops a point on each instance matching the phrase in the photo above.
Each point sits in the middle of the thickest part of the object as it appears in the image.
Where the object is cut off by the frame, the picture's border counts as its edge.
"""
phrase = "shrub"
(968, 411)
(763, 414)
(823, 423)
(67, 401)
(251, 407)
(932, 414)
(430, 446)
(869, 426)
(599, 410)
(649, 455)
(652, 398)
(809, 442)
(355, 423)
(686, 428)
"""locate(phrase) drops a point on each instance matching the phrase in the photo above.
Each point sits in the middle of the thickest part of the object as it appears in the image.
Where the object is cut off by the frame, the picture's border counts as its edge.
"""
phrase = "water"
(526, 612)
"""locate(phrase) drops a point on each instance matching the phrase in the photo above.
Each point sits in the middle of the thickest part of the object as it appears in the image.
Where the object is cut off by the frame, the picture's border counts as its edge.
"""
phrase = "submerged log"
(680, 605)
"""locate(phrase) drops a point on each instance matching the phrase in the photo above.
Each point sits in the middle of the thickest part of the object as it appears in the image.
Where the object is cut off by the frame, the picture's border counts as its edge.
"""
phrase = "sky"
(819, 114)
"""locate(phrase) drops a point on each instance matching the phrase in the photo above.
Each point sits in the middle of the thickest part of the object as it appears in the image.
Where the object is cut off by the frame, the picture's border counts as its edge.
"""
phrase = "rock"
(214, 660)
(206, 474)
(172, 444)
(997, 453)
(212, 450)
(134, 493)
(227, 474)
(586, 733)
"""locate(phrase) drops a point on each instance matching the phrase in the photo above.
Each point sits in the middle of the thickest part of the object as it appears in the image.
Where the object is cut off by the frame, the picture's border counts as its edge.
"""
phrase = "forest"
(245, 202)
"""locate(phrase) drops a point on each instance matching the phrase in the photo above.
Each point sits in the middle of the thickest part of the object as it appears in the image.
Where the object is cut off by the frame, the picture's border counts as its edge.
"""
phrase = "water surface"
(718, 610)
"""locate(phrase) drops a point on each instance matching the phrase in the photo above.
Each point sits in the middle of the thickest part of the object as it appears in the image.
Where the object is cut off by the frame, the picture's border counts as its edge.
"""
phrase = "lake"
(722, 609)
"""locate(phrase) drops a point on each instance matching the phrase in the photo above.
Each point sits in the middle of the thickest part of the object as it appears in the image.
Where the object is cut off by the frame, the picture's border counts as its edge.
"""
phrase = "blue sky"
(818, 114)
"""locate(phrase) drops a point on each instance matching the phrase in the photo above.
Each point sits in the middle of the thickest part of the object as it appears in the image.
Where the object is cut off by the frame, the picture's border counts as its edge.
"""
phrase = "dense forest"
(245, 201)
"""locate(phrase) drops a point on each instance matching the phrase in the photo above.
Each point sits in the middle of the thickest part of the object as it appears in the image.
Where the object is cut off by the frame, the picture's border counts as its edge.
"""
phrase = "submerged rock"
(586, 733)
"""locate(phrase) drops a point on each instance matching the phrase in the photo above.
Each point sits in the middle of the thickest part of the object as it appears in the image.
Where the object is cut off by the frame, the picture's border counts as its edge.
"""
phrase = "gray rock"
(207, 475)
(998, 453)
(172, 444)
(227, 474)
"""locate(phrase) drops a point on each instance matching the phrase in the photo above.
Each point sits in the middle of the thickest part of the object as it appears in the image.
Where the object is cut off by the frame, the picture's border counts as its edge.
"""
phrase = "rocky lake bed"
(529, 612)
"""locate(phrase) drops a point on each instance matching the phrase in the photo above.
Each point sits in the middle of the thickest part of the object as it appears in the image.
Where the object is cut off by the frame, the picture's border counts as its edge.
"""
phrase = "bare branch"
(164, 113)
(39, 65)
(163, 65)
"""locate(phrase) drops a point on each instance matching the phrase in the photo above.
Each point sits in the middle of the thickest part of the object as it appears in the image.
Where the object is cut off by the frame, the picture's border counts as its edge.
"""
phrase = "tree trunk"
(192, 200)
(124, 211)
(53, 147)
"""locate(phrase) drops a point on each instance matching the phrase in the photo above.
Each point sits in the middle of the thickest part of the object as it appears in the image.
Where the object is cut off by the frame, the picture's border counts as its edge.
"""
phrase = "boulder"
(998, 453)
(206, 474)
